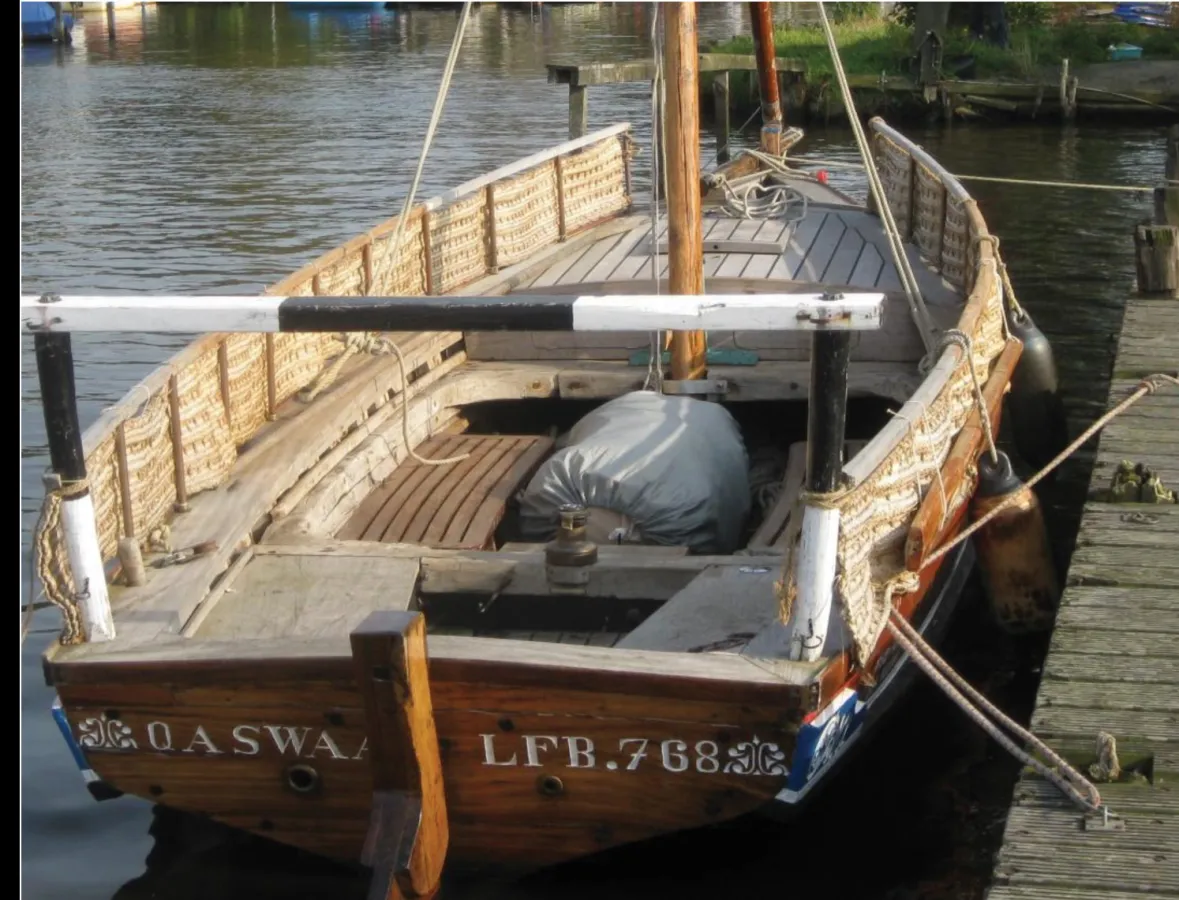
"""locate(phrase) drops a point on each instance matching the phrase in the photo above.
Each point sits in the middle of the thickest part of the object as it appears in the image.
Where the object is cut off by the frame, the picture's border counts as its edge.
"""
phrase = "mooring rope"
(917, 308)
(1031, 182)
(1068, 780)
(1148, 385)
(1063, 776)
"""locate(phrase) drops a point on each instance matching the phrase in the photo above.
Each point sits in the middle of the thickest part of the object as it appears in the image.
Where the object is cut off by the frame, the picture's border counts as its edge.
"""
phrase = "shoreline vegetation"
(1021, 73)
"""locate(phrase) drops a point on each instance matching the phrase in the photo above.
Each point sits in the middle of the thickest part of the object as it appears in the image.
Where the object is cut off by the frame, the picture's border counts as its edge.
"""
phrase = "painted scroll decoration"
(821, 740)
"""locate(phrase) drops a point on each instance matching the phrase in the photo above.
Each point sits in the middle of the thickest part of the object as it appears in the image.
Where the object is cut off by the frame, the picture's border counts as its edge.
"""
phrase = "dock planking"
(1113, 662)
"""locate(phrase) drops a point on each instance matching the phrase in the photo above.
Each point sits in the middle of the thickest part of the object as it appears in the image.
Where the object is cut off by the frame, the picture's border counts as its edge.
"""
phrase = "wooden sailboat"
(349, 636)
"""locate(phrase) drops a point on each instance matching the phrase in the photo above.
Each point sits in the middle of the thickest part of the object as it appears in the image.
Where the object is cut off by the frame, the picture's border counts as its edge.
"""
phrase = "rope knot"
(991, 239)
(905, 582)
(832, 500)
(1151, 383)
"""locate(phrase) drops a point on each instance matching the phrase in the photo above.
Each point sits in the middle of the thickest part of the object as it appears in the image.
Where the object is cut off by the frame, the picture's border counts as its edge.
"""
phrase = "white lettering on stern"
(751, 757)
(300, 741)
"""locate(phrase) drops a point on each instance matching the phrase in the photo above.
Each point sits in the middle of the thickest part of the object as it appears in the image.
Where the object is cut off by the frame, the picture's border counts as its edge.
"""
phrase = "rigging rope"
(435, 117)
(370, 343)
(655, 363)
(917, 308)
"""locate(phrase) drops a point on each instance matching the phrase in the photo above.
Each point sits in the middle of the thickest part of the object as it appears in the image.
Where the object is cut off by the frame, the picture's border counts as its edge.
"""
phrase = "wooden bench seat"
(457, 506)
(772, 532)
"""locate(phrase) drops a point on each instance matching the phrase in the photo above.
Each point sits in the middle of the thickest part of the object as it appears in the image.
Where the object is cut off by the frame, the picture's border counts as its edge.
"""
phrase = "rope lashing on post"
(917, 309)
(55, 578)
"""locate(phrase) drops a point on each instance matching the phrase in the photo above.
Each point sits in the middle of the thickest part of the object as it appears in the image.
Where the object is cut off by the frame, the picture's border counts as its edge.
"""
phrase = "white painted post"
(55, 372)
(85, 556)
(815, 579)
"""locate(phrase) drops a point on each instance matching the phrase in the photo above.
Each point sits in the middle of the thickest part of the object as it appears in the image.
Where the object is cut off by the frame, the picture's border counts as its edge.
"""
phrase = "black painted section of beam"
(55, 372)
(827, 412)
(531, 313)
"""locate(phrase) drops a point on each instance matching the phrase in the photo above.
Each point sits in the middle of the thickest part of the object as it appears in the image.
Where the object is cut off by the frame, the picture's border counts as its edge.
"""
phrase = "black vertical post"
(55, 372)
(827, 412)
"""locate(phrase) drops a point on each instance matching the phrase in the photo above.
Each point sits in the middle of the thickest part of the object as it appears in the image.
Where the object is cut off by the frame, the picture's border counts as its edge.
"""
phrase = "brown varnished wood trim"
(928, 529)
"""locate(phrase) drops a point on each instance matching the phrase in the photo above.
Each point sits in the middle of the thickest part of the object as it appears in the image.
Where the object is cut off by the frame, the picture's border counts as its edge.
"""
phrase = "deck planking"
(1113, 664)
(839, 246)
(457, 505)
(832, 245)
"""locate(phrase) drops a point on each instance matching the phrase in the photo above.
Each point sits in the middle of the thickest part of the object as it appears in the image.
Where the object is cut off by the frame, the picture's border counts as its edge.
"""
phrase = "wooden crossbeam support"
(408, 833)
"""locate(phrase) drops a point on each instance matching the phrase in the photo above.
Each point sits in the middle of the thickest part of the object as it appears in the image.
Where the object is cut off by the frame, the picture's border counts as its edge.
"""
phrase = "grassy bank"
(872, 45)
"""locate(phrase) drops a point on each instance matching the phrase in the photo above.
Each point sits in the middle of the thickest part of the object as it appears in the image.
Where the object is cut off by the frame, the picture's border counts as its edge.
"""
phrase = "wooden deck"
(837, 245)
(456, 506)
(1113, 664)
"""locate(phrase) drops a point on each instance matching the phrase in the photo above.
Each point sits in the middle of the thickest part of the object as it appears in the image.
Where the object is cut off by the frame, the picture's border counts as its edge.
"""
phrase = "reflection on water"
(214, 148)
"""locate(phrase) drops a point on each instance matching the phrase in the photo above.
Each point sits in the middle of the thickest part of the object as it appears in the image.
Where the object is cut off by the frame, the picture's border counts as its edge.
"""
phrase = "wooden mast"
(767, 75)
(685, 239)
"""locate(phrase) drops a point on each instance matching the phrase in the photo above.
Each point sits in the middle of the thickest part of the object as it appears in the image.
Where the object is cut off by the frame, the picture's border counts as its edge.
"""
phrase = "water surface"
(216, 148)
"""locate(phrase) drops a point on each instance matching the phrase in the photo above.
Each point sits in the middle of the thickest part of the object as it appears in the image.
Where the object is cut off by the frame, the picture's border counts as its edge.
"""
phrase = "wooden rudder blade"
(408, 833)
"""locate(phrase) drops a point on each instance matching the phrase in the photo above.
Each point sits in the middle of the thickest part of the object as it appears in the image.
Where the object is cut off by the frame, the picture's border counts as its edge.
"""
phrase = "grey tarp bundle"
(675, 467)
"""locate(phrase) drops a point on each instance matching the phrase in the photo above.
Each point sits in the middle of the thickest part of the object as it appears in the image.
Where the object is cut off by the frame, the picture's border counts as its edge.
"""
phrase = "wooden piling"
(720, 116)
(59, 22)
(408, 833)
(1156, 246)
(578, 111)
(1156, 249)
(110, 22)
(1166, 198)
(1066, 109)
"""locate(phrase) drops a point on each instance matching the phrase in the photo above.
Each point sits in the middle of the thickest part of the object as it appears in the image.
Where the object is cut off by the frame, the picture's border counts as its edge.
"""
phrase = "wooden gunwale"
(984, 287)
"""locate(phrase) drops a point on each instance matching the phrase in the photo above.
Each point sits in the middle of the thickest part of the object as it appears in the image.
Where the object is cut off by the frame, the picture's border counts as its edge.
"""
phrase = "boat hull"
(534, 773)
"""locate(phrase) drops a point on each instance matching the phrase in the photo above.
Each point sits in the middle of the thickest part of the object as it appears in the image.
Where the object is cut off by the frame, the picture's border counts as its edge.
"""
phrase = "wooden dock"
(1113, 665)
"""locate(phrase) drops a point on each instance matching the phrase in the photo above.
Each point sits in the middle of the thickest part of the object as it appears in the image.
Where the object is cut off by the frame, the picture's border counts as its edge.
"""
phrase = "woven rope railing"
(933, 210)
(179, 432)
